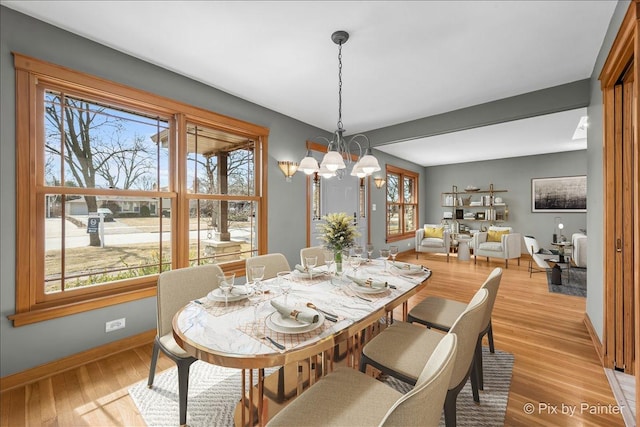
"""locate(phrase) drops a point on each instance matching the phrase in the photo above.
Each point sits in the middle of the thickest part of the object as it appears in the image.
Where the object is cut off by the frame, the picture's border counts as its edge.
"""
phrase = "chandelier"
(338, 156)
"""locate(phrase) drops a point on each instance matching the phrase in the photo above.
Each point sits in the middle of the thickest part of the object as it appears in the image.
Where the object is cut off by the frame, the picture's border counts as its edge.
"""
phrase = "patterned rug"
(214, 392)
(574, 281)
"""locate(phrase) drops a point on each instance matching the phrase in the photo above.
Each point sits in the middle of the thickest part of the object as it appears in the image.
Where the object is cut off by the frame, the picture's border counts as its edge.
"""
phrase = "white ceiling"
(403, 61)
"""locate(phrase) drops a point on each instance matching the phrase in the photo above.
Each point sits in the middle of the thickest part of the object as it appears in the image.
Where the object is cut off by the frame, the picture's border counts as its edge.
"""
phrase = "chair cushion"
(172, 346)
(437, 311)
(432, 242)
(491, 246)
(404, 346)
(496, 235)
(435, 232)
(344, 397)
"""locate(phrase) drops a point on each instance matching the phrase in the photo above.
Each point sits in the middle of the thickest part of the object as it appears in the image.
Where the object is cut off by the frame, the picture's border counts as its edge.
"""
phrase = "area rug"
(214, 392)
(574, 282)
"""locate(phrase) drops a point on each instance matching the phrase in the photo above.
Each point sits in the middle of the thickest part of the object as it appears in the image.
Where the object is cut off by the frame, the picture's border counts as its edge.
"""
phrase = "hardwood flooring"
(555, 361)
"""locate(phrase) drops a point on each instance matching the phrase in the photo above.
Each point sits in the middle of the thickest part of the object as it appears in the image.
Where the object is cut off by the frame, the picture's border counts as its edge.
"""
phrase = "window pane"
(393, 219)
(103, 147)
(219, 162)
(222, 231)
(393, 188)
(82, 250)
(408, 189)
(409, 218)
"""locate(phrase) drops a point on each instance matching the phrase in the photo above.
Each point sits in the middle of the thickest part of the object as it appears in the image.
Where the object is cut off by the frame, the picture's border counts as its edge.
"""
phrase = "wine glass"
(384, 254)
(257, 274)
(393, 251)
(355, 261)
(357, 250)
(254, 295)
(284, 283)
(369, 251)
(311, 262)
(329, 260)
(225, 282)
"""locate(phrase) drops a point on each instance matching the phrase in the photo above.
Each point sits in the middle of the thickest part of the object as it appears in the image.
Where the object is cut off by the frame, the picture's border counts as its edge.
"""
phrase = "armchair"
(498, 242)
(433, 238)
(579, 251)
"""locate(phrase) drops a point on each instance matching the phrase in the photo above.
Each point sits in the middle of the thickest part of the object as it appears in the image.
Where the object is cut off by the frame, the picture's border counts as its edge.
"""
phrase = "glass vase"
(337, 257)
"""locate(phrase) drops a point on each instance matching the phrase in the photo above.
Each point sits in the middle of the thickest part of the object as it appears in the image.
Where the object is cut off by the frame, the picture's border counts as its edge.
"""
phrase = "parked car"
(106, 214)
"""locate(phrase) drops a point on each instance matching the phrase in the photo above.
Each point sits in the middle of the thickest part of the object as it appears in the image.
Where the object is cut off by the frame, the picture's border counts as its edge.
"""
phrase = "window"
(116, 185)
(402, 203)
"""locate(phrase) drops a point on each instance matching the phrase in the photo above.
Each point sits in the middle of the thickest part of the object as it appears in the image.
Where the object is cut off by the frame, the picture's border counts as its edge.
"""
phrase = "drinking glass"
(369, 251)
(355, 261)
(284, 283)
(311, 262)
(254, 295)
(384, 254)
(329, 260)
(257, 274)
(225, 282)
(357, 250)
(393, 251)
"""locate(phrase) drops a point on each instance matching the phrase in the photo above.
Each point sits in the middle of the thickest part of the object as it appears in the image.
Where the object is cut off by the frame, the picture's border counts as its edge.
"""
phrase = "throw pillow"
(435, 232)
(496, 236)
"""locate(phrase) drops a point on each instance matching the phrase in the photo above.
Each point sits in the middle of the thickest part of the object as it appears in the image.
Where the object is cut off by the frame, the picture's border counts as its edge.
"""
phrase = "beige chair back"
(467, 327)
(532, 245)
(177, 287)
(317, 251)
(423, 404)
(273, 263)
(491, 284)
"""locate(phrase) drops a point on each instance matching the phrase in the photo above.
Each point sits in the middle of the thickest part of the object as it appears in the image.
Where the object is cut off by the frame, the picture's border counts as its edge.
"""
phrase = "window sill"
(43, 314)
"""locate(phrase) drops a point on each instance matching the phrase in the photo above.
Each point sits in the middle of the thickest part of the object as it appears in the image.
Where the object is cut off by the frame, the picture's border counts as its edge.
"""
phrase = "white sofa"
(579, 250)
(509, 246)
(433, 244)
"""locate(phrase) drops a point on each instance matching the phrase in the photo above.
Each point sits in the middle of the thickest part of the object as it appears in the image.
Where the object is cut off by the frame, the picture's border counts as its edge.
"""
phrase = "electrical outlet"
(114, 325)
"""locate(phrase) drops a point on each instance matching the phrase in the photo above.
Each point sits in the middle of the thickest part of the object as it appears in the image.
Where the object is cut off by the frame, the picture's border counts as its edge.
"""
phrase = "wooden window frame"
(402, 173)
(33, 74)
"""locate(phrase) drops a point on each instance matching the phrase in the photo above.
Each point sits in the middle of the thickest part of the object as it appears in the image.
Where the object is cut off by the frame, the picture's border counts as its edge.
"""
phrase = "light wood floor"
(555, 362)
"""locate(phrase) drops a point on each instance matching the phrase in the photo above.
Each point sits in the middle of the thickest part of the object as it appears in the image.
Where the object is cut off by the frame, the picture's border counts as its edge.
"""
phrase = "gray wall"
(595, 180)
(514, 175)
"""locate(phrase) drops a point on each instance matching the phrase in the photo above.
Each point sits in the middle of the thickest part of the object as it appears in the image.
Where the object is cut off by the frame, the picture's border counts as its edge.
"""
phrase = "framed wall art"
(560, 194)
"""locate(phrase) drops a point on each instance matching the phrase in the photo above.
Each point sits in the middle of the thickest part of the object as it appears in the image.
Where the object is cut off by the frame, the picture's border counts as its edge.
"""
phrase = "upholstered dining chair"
(175, 289)
(498, 242)
(402, 349)
(441, 313)
(273, 263)
(536, 257)
(433, 238)
(347, 397)
(317, 251)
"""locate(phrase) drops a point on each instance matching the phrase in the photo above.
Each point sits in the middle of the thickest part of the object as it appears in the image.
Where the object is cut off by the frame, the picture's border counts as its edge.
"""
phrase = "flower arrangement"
(338, 231)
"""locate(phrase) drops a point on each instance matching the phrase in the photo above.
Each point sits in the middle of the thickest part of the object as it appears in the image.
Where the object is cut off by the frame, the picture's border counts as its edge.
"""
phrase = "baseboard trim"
(594, 337)
(40, 372)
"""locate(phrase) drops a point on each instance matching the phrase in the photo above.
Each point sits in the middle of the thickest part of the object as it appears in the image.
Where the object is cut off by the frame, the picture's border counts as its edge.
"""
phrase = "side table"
(463, 248)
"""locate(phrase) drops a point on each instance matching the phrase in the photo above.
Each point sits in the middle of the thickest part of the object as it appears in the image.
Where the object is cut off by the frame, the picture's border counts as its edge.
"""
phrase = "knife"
(277, 344)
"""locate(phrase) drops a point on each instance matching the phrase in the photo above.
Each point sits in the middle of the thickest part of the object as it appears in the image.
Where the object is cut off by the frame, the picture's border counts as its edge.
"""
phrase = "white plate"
(287, 322)
(288, 330)
(218, 295)
(366, 290)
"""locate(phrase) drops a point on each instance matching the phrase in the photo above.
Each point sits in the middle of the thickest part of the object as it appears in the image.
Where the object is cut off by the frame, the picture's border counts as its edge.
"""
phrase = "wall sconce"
(379, 182)
(288, 169)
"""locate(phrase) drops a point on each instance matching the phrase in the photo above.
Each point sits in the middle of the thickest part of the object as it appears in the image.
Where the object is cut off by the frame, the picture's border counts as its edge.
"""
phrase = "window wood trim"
(402, 173)
(29, 72)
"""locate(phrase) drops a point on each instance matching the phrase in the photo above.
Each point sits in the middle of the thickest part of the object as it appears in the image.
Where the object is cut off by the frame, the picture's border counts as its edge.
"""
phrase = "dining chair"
(347, 397)
(441, 313)
(317, 251)
(273, 263)
(401, 350)
(175, 289)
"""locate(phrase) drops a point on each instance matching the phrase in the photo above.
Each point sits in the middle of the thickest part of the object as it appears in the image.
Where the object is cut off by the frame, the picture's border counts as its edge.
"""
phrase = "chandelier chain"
(340, 86)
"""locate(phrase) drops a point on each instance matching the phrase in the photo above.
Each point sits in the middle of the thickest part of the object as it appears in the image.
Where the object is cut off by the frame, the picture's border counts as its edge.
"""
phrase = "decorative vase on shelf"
(337, 257)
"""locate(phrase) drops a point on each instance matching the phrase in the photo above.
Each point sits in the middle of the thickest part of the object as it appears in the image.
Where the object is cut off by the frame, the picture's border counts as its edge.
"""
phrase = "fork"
(259, 334)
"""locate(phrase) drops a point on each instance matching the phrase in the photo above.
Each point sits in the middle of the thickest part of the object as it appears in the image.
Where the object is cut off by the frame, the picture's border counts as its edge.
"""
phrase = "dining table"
(348, 308)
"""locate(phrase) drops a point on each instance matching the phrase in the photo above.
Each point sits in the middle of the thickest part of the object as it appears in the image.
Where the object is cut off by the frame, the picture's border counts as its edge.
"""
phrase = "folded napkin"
(238, 290)
(303, 269)
(303, 315)
(368, 283)
(408, 267)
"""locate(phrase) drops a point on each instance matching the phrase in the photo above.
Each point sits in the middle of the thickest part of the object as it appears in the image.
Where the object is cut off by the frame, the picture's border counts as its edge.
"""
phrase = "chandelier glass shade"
(339, 151)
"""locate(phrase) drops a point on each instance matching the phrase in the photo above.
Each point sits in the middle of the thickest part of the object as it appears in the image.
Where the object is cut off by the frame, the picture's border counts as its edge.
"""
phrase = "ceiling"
(403, 61)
